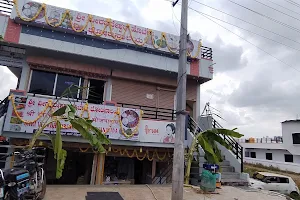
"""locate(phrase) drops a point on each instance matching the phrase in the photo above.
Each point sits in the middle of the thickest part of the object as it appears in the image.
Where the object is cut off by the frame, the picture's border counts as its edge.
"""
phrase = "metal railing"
(6, 7)
(167, 174)
(3, 106)
(206, 53)
(152, 112)
(261, 140)
(236, 148)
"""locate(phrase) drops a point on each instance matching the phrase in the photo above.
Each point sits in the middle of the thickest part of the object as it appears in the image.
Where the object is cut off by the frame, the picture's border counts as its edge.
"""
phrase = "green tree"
(208, 141)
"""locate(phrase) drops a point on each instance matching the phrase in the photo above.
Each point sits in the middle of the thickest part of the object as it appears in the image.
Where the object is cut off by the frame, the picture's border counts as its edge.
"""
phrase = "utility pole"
(178, 158)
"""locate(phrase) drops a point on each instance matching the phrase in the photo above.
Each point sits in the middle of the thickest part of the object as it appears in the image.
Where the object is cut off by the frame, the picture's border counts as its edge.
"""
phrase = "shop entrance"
(125, 170)
(78, 168)
(142, 171)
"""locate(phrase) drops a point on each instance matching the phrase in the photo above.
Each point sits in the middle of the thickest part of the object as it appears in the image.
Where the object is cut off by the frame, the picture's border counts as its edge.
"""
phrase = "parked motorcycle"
(26, 179)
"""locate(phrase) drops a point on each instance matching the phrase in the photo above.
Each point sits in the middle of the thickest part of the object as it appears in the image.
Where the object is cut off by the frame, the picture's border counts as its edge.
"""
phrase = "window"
(65, 81)
(48, 83)
(283, 180)
(96, 91)
(247, 154)
(269, 156)
(296, 138)
(253, 154)
(42, 82)
(271, 179)
(288, 158)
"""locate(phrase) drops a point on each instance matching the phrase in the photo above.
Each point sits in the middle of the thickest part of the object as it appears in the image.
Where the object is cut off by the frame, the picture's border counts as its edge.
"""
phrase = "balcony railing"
(152, 112)
(3, 106)
(6, 7)
(206, 53)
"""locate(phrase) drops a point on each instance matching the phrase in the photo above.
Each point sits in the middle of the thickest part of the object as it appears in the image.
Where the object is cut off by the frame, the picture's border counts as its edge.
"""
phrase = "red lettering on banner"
(31, 102)
(30, 113)
(30, 124)
(150, 130)
(109, 130)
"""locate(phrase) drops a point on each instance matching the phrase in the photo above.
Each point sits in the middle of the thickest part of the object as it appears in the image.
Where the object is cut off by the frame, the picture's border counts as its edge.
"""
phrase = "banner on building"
(32, 110)
(157, 131)
(85, 24)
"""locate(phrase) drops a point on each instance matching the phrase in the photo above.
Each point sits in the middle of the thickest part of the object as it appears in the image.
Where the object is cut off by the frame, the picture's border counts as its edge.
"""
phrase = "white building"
(283, 154)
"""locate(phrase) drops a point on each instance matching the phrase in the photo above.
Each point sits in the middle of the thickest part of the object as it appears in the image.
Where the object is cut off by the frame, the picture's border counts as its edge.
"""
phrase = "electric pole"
(178, 158)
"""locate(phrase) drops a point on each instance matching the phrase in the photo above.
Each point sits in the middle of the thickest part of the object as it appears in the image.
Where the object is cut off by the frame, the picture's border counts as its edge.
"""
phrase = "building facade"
(280, 152)
(129, 79)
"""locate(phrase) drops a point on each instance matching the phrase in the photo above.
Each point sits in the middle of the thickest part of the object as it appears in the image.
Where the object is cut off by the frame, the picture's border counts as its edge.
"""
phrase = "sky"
(256, 78)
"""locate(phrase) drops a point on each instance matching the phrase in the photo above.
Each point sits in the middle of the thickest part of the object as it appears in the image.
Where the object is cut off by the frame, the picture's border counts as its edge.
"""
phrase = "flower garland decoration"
(139, 157)
(48, 105)
(85, 109)
(108, 24)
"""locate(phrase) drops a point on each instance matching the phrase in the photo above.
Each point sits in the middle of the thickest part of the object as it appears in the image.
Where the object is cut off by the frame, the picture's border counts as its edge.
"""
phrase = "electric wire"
(266, 16)
(247, 41)
(247, 30)
(284, 7)
(277, 10)
(293, 3)
(270, 31)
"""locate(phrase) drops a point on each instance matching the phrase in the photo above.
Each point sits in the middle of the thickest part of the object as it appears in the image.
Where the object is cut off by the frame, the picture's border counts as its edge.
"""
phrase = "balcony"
(132, 50)
(150, 126)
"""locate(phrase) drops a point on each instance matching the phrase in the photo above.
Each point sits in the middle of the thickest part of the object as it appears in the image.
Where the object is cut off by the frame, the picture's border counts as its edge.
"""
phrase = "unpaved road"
(142, 192)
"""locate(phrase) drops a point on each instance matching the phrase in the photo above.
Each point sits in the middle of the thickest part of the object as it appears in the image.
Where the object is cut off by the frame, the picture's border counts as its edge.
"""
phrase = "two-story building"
(281, 152)
(122, 67)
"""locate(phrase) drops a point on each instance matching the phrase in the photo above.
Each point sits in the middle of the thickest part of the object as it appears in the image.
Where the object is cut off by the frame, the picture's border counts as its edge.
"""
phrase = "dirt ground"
(142, 192)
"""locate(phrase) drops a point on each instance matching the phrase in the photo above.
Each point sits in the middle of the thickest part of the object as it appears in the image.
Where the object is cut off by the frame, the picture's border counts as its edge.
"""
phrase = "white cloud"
(248, 85)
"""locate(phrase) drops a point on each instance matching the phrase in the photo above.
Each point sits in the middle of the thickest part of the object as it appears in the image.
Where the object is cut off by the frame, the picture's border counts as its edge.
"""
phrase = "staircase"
(232, 165)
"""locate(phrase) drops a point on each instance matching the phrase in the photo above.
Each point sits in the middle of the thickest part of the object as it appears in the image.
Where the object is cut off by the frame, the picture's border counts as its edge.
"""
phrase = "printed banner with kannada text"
(86, 24)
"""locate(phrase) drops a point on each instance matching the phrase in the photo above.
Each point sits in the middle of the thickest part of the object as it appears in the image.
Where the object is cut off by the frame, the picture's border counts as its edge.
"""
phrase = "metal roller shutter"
(132, 92)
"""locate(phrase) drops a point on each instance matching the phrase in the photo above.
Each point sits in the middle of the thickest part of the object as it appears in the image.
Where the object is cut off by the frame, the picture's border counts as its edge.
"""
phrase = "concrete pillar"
(8, 162)
(23, 82)
(198, 109)
(108, 90)
(153, 168)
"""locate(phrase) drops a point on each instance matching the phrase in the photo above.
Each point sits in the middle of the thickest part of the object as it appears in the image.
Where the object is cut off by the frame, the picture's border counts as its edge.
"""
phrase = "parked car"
(274, 182)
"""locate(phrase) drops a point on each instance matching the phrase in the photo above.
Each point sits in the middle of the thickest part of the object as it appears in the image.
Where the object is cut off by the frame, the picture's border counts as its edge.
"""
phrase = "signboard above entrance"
(26, 113)
(95, 26)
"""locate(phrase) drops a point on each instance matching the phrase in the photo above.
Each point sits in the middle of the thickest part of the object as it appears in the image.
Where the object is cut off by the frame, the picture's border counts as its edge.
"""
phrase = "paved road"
(142, 192)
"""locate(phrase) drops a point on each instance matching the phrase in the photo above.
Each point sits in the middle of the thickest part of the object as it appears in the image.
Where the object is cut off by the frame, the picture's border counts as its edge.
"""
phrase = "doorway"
(77, 169)
(96, 91)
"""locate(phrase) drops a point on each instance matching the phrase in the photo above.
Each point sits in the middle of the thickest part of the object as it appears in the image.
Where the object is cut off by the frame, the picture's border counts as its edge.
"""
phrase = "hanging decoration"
(87, 24)
(142, 156)
(15, 109)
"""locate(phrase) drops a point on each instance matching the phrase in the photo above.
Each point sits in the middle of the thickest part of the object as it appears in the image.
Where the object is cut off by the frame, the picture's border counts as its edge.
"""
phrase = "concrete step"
(234, 182)
(225, 163)
(230, 175)
(227, 169)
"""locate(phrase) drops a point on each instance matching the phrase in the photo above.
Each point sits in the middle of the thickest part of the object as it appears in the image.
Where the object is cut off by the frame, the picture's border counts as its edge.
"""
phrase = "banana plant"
(84, 126)
(208, 141)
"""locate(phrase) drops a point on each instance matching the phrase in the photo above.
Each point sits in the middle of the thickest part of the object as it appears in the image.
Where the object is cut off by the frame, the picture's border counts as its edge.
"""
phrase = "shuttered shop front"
(144, 94)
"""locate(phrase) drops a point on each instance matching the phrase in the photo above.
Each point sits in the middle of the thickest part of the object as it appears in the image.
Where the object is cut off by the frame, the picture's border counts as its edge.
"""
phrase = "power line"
(293, 3)
(265, 16)
(245, 29)
(284, 7)
(277, 10)
(248, 42)
(247, 22)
